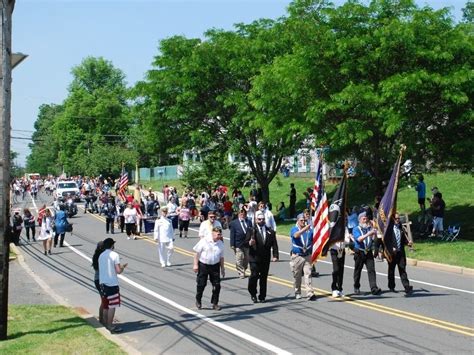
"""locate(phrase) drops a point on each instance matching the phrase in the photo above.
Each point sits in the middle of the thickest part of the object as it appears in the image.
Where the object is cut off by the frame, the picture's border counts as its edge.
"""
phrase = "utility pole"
(5, 100)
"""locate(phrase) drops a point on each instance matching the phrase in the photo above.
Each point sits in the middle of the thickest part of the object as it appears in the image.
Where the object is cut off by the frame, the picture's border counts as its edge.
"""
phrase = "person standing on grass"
(292, 196)
(95, 264)
(421, 190)
(208, 261)
(109, 268)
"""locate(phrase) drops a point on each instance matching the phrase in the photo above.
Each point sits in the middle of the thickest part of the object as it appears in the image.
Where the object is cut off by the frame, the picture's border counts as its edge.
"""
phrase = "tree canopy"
(360, 78)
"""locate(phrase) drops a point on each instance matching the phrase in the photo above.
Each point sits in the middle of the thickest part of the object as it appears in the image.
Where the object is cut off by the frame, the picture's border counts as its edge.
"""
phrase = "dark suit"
(239, 243)
(398, 259)
(260, 256)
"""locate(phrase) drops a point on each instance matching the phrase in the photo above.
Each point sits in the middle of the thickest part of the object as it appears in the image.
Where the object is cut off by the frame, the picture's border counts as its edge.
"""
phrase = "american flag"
(123, 184)
(320, 218)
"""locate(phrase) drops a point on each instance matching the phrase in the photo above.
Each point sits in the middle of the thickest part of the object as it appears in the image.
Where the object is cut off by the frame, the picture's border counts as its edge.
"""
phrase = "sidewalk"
(25, 287)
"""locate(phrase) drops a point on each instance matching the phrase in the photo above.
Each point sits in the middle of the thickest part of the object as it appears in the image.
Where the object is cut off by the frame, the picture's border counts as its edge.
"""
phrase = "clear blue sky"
(58, 34)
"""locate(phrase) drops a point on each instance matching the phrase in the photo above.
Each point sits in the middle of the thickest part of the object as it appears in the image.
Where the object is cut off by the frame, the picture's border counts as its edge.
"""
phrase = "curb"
(79, 311)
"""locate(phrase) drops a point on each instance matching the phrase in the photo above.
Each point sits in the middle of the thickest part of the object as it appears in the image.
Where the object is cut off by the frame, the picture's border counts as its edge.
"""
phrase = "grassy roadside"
(42, 329)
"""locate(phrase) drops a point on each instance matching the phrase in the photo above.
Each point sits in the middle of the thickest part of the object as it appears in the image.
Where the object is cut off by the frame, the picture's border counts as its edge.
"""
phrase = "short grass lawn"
(458, 253)
(41, 329)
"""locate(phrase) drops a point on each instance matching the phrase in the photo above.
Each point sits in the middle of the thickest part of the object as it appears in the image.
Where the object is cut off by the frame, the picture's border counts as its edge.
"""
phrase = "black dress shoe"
(216, 307)
(393, 290)
(262, 300)
(254, 299)
(198, 305)
(409, 290)
(377, 291)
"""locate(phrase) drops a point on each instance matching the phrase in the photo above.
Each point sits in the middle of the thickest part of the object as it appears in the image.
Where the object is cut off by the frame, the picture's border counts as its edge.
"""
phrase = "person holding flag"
(301, 249)
(399, 258)
(364, 235)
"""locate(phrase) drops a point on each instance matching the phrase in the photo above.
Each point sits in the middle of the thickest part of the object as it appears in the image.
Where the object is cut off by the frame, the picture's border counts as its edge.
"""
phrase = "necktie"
(367, 243)
(262, 232)
(397, 237)
(242, 222)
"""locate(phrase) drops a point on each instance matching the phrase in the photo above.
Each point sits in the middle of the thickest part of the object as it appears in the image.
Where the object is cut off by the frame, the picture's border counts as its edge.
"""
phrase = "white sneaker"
(168, 264)
(335, 294)
(341, 294)
(163, 265)
(128, 238)
(298, 296)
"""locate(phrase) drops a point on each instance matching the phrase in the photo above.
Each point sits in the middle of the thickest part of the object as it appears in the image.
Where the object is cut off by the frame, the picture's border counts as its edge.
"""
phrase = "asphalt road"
(158, 313)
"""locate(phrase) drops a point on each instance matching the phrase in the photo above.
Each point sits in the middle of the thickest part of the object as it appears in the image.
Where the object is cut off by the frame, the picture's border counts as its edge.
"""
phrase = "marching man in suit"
(262, 241)
(239, 228)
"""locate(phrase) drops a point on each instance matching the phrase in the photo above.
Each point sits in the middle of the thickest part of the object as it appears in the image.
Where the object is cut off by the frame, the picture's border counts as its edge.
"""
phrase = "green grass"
(458, 253)
(41, 329)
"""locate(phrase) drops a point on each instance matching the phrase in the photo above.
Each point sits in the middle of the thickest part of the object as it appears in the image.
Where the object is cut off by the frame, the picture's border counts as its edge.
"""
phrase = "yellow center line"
(457, 328)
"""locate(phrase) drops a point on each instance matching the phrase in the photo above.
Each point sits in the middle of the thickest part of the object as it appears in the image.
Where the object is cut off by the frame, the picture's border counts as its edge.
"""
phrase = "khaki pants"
(301, 266)
(241, 260)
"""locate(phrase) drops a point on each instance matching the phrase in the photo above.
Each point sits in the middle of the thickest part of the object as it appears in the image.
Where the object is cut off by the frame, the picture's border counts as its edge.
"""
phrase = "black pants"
(130, 228)
(33, 232)
(211, 271)
(109, 224)
(258, 271)
(61, 239)
(400, 260)
(337, 270)
(367, 259)
(122, 223)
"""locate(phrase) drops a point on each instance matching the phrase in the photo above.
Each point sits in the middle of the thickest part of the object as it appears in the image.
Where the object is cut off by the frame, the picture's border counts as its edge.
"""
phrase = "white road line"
(215, 323)
(382, 274)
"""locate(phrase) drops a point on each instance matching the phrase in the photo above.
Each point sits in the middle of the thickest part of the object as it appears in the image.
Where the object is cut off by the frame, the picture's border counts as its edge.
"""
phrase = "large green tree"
(200, 93)
(363, 78)
(43, 158)
(92, 130)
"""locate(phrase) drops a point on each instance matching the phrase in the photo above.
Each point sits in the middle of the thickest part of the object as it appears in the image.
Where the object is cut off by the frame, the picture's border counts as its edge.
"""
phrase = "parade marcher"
(120, 218)
(110, 211)
(338, 256)
(163, 234)
(29, 223)
(301, 250)
(399, 258)
(364, 235)
(60, 223)
(95, 264)
(205, 229)
(269, 219)
(130, 216)
(109, 268)
(46, 231)
(17, 226)
(208, 261)
(239, 228)
(184, 216)
(262, 241)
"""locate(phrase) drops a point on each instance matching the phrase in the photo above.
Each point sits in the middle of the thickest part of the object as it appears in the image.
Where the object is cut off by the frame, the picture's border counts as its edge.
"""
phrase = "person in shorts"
(109, 268)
